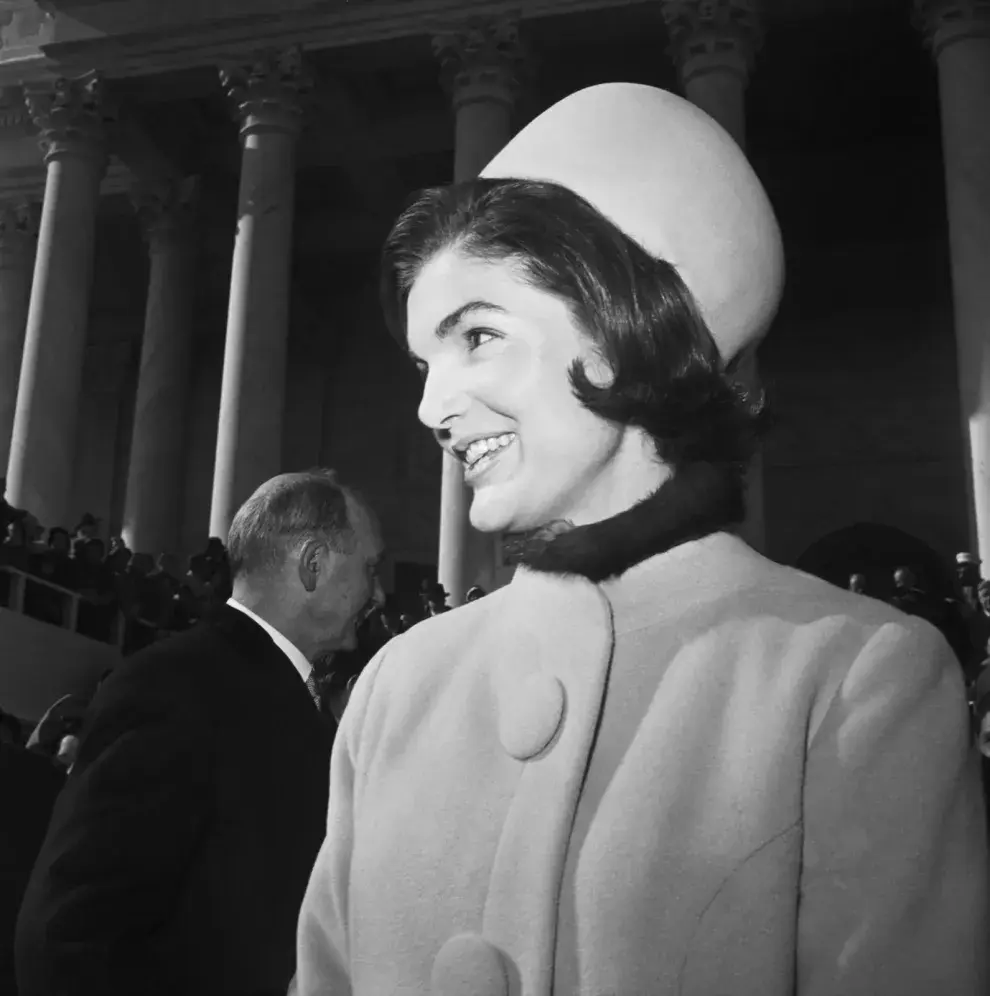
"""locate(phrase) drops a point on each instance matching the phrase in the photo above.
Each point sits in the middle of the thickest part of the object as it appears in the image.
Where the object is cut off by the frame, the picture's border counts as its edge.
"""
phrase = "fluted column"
(70, 116)
(155, 493)
(266, 94)
(480, 63)
(713, 44)
(18, 241)
(958, 32)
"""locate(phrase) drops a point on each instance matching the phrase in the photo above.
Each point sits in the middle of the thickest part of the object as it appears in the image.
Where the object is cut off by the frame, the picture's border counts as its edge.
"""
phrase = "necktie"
(313, 690)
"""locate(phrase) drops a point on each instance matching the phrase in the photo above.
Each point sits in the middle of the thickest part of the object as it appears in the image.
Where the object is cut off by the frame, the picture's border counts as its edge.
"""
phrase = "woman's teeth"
(482, 448)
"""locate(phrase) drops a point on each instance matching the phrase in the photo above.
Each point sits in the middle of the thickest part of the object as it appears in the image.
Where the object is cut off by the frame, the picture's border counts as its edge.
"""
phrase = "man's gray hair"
(283, 514)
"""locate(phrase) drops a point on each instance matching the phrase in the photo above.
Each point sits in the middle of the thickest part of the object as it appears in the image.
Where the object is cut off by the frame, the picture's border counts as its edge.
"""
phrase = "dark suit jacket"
(180, 848)
(29, 784)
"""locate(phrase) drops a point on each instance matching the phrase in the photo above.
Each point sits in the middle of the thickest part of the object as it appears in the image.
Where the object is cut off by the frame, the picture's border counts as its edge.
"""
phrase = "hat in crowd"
(967, 558)
(673, 180)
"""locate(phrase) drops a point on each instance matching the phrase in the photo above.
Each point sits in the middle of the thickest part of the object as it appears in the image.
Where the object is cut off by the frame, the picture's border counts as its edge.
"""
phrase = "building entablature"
(42, 38)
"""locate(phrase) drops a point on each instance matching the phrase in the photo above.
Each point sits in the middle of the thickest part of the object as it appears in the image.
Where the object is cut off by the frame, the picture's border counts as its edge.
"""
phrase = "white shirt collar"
(288, 648)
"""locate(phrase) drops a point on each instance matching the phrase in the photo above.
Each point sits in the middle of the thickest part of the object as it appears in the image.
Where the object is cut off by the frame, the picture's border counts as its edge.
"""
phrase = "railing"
(63, 607)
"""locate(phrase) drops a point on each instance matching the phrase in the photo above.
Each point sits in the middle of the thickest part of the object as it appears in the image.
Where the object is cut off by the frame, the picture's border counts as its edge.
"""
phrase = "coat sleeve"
(322, 953)
(894, 885)
(119, 840)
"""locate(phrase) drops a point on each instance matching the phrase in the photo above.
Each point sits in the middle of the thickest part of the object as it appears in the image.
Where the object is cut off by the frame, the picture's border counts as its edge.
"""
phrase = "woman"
(655, 762)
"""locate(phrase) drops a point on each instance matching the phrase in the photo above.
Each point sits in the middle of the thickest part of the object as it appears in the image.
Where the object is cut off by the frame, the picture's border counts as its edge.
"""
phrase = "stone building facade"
(193, 195)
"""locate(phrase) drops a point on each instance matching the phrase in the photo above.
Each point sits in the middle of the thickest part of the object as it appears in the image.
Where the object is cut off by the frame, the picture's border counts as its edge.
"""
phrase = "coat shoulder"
(790, 592)
(844, 632)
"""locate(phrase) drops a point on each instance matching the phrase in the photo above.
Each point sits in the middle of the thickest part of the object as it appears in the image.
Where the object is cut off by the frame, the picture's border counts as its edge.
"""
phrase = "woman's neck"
(689, 504)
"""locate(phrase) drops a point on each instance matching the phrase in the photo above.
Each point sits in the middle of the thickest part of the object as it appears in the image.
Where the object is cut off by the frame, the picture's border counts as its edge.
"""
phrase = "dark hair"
(285, 513)
(668, 377)
(58, 531)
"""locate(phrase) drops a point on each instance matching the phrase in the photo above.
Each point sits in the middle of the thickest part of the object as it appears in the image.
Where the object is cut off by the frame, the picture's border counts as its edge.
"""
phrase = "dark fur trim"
(698, 500)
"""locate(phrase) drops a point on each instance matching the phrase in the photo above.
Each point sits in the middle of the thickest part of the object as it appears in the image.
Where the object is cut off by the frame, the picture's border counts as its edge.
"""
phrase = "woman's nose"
(443, 399)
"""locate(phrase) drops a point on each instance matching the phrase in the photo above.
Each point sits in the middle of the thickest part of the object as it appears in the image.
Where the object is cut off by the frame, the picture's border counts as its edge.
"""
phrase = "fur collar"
(696, 501)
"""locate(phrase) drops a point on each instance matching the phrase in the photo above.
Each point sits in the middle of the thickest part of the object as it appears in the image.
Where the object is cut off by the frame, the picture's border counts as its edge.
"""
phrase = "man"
(909, 597)
(178, 854)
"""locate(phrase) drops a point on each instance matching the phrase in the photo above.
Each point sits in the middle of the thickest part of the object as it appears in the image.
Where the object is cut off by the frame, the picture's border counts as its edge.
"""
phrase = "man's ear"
(312, 563)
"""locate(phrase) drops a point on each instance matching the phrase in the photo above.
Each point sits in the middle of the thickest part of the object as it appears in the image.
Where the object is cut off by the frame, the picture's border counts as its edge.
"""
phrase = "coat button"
(467, 965)
(531, 715)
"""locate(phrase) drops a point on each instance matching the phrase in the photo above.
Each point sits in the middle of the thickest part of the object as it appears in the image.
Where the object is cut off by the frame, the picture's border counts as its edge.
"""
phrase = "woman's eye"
(478, 337)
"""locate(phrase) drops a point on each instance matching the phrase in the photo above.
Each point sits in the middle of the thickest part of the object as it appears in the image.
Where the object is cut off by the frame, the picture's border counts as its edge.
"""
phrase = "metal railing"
(17, 588)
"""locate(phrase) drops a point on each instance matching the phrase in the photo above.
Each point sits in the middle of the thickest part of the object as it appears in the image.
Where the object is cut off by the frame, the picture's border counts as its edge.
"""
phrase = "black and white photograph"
(494, 497)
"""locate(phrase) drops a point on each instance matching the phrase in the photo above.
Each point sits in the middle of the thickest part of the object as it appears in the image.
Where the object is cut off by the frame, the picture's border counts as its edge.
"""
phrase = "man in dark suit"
(179, 851)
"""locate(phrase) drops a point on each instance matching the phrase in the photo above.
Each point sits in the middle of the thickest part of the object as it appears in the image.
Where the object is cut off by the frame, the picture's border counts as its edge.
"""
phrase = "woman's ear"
(596, 367)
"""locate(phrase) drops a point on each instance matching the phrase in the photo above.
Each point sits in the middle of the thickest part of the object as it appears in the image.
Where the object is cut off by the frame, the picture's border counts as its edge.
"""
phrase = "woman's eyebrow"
(447, 325)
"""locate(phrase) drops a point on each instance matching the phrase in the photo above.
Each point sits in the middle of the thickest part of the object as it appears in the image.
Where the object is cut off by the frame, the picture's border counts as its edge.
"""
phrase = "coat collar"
(251, 641)
(294, 654)
(696, 501)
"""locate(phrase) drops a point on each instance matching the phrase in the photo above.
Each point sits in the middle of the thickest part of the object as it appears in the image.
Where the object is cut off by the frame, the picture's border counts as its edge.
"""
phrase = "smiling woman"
(655, 762)
(568, 369)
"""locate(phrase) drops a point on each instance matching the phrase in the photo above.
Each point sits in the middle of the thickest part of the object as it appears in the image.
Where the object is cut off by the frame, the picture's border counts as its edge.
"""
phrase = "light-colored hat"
(673, 180)
(967, 558)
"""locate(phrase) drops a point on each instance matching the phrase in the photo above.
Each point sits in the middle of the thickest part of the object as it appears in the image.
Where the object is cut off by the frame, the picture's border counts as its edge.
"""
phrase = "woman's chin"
(488, 515)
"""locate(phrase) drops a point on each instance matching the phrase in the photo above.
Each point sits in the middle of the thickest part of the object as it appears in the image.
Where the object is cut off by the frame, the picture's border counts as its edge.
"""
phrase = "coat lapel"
(549, 675)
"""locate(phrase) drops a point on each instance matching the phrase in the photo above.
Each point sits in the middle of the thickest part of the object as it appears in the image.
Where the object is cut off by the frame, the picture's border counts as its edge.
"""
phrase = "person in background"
(967, 576)
(433, 598)
(63, 718)
(87, 528)
(8, 513)
(178, 853)
(910, 597)
(15, 550)
(857, 584)
(474, 593)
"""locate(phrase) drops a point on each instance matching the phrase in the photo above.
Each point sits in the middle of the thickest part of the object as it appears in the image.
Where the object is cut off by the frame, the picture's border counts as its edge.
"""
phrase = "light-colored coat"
(714, 776)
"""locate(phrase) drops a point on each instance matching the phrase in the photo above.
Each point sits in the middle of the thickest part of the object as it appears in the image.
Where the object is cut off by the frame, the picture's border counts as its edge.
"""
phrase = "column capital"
(713, 36)
(943, 22)
(71, 115)
(480, 59)
(19, 223)
(167, 213)
(266, 90)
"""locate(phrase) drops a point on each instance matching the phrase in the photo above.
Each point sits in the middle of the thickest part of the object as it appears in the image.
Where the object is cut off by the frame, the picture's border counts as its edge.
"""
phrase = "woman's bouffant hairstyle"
(668, 377)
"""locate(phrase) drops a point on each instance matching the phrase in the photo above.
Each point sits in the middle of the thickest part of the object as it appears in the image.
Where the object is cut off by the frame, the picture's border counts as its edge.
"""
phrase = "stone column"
(713, 44)
(155, 494)
(18, 241)
(69, 114)
(249, 437)
(958, 32)
(479, 69)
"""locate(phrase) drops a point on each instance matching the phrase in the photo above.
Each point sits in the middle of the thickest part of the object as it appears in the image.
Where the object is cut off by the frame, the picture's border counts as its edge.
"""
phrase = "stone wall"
(861, 366)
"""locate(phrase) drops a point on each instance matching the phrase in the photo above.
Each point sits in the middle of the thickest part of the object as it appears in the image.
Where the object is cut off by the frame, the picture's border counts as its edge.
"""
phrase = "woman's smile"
(483, 454)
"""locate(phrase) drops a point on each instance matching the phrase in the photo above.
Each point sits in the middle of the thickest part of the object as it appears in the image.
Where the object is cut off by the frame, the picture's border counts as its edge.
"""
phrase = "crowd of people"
(963, 617)
(153, 595)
